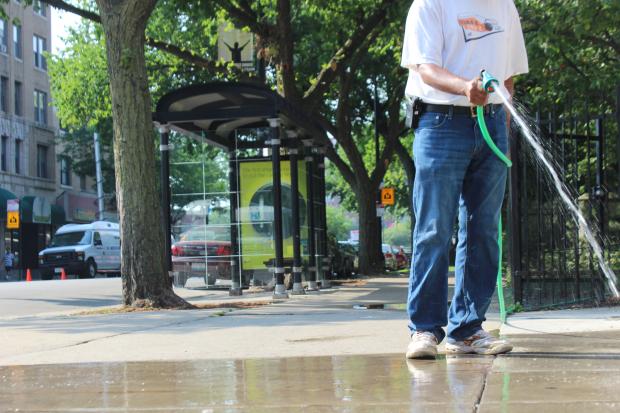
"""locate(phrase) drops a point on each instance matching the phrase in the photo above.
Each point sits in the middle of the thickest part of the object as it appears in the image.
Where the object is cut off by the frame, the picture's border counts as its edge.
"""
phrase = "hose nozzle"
(487, 81)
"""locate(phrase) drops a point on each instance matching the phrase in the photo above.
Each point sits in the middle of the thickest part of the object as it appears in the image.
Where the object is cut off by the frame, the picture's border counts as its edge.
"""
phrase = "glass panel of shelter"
(214, 246)
(200, 213)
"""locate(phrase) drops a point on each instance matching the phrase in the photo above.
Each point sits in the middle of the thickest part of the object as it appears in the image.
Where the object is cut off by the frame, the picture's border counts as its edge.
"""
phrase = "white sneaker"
(480, 342)
(423, 344)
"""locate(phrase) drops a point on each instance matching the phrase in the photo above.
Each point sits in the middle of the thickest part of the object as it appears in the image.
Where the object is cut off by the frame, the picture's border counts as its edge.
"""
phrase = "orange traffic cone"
(63, 274)
(28, 275)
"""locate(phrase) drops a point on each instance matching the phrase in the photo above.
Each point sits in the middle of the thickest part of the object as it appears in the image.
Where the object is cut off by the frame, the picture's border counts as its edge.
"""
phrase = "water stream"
(544, 157)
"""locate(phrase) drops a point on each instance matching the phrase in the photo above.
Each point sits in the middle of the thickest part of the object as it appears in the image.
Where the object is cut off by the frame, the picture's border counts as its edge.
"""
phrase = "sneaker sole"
(503, 348)
(422, 354)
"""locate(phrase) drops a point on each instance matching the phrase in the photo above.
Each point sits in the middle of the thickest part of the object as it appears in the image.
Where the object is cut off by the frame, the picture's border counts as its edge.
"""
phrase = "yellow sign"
(387, 196)
(12, 220)
(256, 212)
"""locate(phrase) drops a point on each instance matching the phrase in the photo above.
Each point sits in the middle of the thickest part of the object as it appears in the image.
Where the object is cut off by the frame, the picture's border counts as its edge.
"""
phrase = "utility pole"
(99, 179)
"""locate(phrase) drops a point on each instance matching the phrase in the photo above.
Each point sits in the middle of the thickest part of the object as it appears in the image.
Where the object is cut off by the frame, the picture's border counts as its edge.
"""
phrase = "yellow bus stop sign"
(12, 220)
(387, 196)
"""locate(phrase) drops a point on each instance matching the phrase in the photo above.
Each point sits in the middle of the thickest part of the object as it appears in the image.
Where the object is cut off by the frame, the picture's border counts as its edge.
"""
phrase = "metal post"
(323, 250)
(235, 288)
(99, 178)
(514, 218)
(278, 268)
(293, 159)
(378, 160)
(312, 264)
(164, 149)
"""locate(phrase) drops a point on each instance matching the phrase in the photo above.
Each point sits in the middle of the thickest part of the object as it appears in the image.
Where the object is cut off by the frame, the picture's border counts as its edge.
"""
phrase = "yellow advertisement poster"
(256, 212)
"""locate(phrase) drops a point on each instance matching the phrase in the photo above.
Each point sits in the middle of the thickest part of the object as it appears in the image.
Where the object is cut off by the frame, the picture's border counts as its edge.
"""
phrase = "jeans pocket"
(432, 120)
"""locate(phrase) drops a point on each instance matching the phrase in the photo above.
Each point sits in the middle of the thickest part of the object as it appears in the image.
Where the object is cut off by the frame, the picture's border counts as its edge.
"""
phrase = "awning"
(35, 210)
(4, 196)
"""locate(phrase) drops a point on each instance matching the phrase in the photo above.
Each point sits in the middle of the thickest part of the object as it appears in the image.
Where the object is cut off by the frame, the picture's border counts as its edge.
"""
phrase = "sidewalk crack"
(484, 386)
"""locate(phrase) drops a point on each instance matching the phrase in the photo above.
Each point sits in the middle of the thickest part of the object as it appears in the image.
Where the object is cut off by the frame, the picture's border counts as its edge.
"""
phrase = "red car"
(201, 252)
(401, 258)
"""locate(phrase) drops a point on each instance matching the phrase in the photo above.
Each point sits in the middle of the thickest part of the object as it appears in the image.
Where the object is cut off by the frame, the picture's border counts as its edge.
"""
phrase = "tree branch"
(63, 5)
(174, 50)
(196, 60)
(351, 45)
(243, 15)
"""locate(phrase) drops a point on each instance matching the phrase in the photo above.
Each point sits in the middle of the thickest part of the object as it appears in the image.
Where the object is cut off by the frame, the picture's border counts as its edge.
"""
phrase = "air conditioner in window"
(3, 48)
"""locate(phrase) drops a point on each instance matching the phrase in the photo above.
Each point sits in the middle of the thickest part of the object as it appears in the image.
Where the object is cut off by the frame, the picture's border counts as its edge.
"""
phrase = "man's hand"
(476, 95)
(442, 79)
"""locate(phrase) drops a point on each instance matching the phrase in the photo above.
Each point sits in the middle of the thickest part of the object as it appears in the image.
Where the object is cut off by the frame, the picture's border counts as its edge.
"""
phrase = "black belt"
(458, 110)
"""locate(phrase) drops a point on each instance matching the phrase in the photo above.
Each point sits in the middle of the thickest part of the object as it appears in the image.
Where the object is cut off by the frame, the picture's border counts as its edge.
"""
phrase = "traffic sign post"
(12, 214)
(387, 196)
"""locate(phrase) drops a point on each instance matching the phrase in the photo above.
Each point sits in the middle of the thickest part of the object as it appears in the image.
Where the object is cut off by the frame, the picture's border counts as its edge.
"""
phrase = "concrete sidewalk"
(309, 353)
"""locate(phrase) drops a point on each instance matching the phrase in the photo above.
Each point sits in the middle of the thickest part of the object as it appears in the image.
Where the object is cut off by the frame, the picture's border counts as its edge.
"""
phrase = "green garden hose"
(487, 84)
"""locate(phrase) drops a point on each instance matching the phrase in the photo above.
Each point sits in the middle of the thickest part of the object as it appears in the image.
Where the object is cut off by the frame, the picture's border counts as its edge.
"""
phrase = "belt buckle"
(472, 111)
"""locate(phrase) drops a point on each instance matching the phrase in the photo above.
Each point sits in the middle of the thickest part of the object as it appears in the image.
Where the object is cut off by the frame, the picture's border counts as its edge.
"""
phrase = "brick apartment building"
(31, 170)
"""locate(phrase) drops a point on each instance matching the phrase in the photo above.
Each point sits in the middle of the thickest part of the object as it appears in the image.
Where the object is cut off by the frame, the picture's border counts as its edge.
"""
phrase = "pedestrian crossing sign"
(387, 196)
(12, 220)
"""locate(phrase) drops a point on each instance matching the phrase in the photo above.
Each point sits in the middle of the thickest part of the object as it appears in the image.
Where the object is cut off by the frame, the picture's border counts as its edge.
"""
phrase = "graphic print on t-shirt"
(476, 27)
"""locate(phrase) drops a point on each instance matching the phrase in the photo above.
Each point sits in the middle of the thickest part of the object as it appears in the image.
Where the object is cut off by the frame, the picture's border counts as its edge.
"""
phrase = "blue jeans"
(455, 171)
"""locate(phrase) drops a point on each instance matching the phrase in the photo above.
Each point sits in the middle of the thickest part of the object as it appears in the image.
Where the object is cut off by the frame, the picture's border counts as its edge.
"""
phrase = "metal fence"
(551, 262)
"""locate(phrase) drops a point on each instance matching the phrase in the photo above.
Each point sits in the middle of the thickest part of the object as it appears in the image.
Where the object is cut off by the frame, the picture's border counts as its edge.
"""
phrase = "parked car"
(389, 257)
(349, 253)
(401, 258)
(343, 257)
(203, 251)
(82, 249)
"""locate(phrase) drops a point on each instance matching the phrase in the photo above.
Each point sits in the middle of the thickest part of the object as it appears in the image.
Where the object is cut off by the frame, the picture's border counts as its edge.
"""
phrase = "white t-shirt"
(464, 37)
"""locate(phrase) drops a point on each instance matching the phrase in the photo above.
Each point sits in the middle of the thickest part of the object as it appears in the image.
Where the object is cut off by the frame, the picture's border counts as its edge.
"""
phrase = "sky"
(60, 22)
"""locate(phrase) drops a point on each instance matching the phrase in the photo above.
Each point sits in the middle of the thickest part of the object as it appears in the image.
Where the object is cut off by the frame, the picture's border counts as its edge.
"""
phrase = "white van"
(83, 249)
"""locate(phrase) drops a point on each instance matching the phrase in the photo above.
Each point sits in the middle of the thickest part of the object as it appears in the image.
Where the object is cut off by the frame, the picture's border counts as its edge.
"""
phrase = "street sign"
(12, 220)
(387, 196)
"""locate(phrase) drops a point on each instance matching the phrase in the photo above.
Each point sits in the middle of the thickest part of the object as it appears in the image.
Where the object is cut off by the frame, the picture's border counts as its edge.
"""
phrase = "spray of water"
(534, 142)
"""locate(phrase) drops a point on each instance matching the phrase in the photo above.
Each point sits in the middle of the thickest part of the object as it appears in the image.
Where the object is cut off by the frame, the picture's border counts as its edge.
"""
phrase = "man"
(447, 43)
(8, 263)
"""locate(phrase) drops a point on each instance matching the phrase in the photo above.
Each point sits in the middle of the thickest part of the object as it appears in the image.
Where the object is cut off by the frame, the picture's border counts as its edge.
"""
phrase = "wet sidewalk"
(310, 353)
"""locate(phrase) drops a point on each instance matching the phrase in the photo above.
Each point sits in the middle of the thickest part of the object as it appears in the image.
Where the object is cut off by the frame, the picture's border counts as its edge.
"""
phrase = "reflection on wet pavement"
(545, 373)
(343, 384)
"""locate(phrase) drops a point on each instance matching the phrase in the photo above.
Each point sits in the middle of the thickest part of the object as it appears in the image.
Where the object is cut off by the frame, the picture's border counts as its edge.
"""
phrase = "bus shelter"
(274, 222)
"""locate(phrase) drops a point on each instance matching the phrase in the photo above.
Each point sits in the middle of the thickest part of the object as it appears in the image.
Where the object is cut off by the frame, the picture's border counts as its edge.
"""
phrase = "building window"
(42, 161)
(4, 36)
(18, 155)
(19, 107)
(65, 171)
(40, 7)
(4, 153)
(17, 41)
(4, 91)
(40, 107)
(82, 182)
(39, 46)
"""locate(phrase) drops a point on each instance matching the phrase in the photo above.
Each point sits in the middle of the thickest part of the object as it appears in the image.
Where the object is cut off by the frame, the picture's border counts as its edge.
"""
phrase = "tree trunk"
(371, 259)
(145, 276)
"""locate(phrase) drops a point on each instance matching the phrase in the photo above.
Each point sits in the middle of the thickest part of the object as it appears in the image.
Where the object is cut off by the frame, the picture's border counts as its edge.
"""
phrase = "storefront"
(8, 238)
(38, 221)
(80, 208)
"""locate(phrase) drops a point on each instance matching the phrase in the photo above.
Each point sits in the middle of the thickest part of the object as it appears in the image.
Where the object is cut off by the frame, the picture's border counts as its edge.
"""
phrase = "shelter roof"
(216, 110)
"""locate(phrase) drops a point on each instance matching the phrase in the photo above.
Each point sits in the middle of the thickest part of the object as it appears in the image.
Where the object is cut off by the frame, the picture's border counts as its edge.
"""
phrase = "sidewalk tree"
(145, 275)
